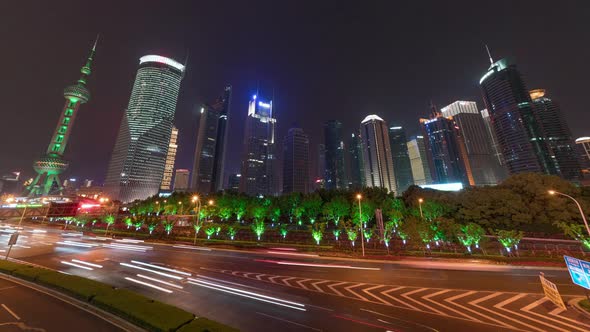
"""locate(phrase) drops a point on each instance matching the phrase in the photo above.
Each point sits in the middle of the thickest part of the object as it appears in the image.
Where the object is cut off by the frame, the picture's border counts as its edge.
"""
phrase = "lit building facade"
(170, 160)
(496, 150)
(137, 164)
(259, 159)
(335, 177)
(401, 160)
(583, 153)
(378, 162)
(233, 182)
(419, 161)
(181, 177)
(357, 168)
(296, 162)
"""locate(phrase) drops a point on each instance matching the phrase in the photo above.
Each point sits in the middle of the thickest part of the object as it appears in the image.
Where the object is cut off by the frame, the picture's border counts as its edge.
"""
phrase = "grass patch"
(81, 288)
(8, 266)
(205, 325)
(30, 273)
(585, 304)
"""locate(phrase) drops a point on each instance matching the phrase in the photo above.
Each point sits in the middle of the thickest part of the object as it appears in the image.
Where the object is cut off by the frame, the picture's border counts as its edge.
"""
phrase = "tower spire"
(489, 54)
(86, 69)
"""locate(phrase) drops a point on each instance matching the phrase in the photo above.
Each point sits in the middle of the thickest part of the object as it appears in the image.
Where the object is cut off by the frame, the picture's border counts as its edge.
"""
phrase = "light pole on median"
(17, 231)
(198, 208)
(359, 197)
(553, 192)
(420, 201)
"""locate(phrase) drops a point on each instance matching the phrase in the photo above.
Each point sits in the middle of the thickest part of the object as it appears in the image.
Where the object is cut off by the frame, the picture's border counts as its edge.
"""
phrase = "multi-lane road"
(280, 289)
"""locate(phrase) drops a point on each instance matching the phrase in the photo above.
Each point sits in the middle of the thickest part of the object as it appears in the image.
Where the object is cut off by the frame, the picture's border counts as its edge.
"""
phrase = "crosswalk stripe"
(398, 300)
(485, 298)
(557, 311)
(315, 285)
(260, 276)
(300, 283)
(407, 296)
(337, 284)
(528, 309)
(510, 300)
(368, 292)
(349, 288)
(568, 319)
(272, 279)
(285, 281)
(428, 298)
(456, 297)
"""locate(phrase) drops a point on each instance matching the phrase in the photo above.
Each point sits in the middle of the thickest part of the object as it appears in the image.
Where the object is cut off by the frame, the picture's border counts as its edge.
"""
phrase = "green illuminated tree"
(138, 222)
(108, 219)
(210, 230)
(509, 239)
(336, 232)
(168, 224)
(283, 230)
(317, 231)
(152, 222)
(577, 232)
(298, 213)
(394, 210)
(258, 227)
(351, 232)
(240, 206)
(274, 212)
(128, 221)
(225, 207)
(389, 228)
(367, 211)
(232, 231)
(197, 225)
(258, 211)
(312, 206)
(470, 234)
(368, 233)
(337, 208)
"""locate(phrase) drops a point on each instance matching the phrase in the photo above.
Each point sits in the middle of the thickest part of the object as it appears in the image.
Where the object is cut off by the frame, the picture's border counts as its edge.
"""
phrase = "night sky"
(324, 60)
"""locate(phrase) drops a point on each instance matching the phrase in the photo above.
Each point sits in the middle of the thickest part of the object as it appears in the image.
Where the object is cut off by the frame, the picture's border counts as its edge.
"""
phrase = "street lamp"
(553, 192)
(198, 207)
(16, 234)
(420, 201)
(180, 203)
(359, 197)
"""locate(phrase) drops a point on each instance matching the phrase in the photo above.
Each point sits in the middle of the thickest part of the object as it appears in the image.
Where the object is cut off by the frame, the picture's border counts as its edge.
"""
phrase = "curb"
(575, 303)
(106, 316)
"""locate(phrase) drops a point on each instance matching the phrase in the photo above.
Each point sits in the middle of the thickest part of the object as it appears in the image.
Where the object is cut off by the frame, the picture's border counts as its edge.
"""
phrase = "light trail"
(190, 247)
(160, 281)
(38, 231)
(318, 265)
(72, 234)
(86, 263)
(76, 244)
(129, 241)
(152, 271)
(286, 249)
(161, 268)
(149, 285)
(127, 247)
(291, 253)
(77, 265)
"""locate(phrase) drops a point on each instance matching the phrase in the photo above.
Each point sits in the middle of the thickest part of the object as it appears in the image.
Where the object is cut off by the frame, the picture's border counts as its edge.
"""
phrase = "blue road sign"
(579, 271)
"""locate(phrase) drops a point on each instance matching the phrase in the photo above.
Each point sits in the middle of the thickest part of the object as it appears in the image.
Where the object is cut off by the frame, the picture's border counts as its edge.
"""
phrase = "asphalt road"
(284, 290)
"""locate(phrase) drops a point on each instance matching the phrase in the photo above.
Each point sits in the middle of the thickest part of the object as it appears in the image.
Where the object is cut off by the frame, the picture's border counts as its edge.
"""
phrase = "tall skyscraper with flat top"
(52, 164)
(139, 156)
(377, 154)
(258, 163)
(335, 177)
(419, 161)
(357, 166)
(170, 160)
(296, 162)
(401, 160)
(515, 123)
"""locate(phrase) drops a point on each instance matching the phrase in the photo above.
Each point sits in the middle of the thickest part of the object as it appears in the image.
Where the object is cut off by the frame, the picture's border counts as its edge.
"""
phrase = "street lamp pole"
(359, 197)
(420, 200)
(198, 207)
(17, 230)
(553, 192)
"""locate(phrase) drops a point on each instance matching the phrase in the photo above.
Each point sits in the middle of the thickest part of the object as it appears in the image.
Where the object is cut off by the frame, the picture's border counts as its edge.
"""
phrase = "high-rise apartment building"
(557, 135)
(211, 143)
(401, 160)
(496, 149)
(296, 162)
(484, 166)
(514, 122)
(181, 177)
(377, 157)
(419, 161)
(139, 156)
(335, 177)
(170, 160)
(259, 159)
(583, 153)
(357, 168)
(233, 182)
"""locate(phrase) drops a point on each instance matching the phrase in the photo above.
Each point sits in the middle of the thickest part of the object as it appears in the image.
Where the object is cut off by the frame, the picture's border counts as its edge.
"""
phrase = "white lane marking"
(160, 281)
(10, 311)
(260, 276)
(192, 248)
(528, 309)
(86, 263)
(398, 300)
(568, 319)
(149, 285)
(315, 285)
(300, 283)
(407, 296)
(288, 321)
(285, 281)
(8, 287)
(367, 291)
(161, 268)
(556, 311)
(291, 254)
(271, 279)
(456, 297)
(152, 271)
(327, 266)
(221, 289)
(337, 284)
(76, 244)
(349, 288)
(508, 301)
(399, 319)
(77, 265)
(429, 296)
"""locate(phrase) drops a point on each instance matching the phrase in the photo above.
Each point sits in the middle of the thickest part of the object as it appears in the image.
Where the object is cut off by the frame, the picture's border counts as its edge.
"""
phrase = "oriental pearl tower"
(52, 164)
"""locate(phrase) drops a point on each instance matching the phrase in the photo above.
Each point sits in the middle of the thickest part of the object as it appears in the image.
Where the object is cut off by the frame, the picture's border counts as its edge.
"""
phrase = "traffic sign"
(551, 292)
(579, 271)
(13, 239)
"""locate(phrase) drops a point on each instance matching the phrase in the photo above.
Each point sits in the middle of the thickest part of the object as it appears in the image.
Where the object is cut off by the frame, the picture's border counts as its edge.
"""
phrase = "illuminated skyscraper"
(556, 133)
(357, 167)
(496, 150)
(211, 141)
(296, 162)
(335, 178)
(377, 154)
(181, 179)
(170, 160)
(419, 161)
(258, 163)
(401, 160)
(52, 164)
(139, 156)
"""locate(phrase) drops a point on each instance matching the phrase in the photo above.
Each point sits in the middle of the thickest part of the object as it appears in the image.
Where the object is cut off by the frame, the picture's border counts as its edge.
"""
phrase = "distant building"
(137, 164)
(234, 182)
(357, 167)
(401, 160)
(296, 162)
(259, 159)
(335, 177)
(181, 177)
(170, 160)
(496, 149)
(87, 183)
(419, 161)
(583, 153)
(10, 184)
(321, 170)
(556, 133)
(484, 166)
(211, 144)
(377, 154)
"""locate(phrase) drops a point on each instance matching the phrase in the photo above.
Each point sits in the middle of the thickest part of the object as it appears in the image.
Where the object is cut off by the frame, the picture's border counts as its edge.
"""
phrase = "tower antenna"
(489, 54)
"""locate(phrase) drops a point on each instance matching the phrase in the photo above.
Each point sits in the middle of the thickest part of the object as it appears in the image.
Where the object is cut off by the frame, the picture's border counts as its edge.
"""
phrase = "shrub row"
(137, 309)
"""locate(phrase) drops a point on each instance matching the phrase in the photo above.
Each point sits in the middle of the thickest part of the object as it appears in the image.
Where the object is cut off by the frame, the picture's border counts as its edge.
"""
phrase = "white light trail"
(126, 247)
(72, 234)
(86, 263)
(250, 295)
(149, 285)
(291, 253)
(129, 241)
(77, 265)
(160, 281)
(76, 244)
(38, 231)
(161, 268)
(152, 271)
(320, 265)
(190, 247)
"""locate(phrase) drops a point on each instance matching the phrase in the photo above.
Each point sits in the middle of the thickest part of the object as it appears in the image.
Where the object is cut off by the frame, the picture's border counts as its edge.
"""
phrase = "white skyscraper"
(378, 162)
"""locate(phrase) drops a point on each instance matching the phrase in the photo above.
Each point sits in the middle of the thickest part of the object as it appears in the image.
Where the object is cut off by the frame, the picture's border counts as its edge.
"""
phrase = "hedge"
(137, 309)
